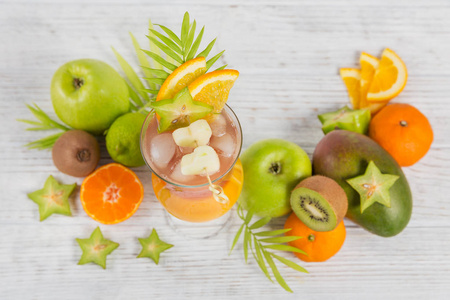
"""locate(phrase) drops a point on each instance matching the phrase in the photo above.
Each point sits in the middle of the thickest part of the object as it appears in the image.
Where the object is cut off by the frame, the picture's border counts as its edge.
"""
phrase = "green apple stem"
(78, 83)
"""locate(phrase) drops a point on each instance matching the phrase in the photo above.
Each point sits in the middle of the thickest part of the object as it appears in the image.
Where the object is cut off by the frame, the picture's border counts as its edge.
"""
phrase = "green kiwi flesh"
(319, 202)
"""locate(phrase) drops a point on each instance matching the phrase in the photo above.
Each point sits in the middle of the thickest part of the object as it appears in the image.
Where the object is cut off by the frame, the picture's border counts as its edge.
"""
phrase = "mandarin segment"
(111, 194)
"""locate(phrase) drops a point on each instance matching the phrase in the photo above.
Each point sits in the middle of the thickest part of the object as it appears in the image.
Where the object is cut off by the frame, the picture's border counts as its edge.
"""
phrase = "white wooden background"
(288, 54)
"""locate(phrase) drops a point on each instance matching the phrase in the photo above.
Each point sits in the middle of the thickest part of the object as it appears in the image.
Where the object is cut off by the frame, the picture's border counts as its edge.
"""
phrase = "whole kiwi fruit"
(319, 202)
(76, 153)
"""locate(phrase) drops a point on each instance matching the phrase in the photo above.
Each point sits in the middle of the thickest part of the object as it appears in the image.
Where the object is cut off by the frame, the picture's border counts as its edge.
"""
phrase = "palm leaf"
(276, 273)
(289, 263)
(208, 48)
(172, 45)
(282, 247)
(260, 223)
(260, 259)
(185, 29)
(171, 34)
(236, 237)
(281, 239)
(196, 44)
(160, 60)
(210, 62)
(273, 233)
(131, 75)
(190, 38)
(157, 72)
(153, 47)
(166, 50)
(141, 56)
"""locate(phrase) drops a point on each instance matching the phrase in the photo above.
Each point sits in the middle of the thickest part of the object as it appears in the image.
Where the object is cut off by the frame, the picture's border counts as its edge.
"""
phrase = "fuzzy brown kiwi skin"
(331, 191)
(76, 153)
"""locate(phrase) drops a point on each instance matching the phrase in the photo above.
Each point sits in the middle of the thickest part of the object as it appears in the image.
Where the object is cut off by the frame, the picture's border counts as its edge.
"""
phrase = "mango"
(343, 155)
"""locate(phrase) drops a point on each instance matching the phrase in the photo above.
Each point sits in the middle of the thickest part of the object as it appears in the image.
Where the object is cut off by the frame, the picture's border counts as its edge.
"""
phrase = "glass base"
(204, 230)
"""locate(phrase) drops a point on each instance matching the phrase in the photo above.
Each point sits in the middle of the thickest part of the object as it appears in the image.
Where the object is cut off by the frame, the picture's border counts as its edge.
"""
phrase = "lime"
(122, 139)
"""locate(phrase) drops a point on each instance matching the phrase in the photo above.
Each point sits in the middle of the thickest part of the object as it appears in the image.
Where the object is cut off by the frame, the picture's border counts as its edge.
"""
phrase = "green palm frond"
(167, 52)
(259, 247)
(44, 122)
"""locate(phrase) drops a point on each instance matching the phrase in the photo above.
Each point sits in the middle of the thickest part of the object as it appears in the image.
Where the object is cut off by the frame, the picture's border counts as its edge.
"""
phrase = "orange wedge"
(181, 77)
(351, 78)
(213, 88)
(111, 194)
(369, 65)
(389, 79)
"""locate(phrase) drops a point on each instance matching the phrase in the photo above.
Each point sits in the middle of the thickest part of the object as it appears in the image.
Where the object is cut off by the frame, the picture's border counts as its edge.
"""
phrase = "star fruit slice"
(180, 111)
(152, 247)
(345, 118)
(53, 198)
(96, 248)
(373, 186)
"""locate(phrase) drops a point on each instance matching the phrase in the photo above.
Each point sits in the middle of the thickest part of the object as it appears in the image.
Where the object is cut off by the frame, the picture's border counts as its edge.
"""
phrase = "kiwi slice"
(319, 202)
(180, 111)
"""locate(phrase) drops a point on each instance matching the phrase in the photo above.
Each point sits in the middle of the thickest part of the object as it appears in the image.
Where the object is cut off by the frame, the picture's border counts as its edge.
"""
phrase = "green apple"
(272, 168)
(89, 94)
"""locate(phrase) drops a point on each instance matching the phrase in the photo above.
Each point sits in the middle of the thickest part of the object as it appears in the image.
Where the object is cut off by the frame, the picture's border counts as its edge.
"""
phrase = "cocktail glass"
(189, 198)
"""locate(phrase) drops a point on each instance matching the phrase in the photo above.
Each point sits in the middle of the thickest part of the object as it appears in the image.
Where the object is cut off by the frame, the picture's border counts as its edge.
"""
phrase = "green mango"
(343, 155)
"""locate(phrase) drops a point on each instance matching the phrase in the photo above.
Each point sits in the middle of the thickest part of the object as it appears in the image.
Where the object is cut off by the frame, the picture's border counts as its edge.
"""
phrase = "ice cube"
(224, 145)
(162, 149)
(186, 150)
(178, 177)
(218, 126)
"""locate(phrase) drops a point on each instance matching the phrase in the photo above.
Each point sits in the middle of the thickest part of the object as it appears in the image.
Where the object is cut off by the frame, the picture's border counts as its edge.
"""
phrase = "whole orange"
(403, 131)
(319, 245)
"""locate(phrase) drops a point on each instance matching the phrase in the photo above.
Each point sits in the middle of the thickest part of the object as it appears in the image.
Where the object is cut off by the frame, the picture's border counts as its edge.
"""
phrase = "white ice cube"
(186, 150)
(218, 125)
(224, 145)
(162, 149)
(178, 177)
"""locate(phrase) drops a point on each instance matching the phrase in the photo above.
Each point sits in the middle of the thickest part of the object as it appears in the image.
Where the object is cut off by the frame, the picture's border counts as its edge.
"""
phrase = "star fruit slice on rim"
(214, 87)
(347, 119)
(152, 247)
(180, 111)
(373, 186)
(181, 77)
(53, 198)
(96, 248)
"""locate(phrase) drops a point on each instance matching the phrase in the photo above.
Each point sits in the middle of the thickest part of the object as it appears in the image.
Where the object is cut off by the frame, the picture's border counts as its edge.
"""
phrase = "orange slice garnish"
(389, 79)
(351, 78)
(213, 88)
(369, 65)
(181, 77)
(111, 194)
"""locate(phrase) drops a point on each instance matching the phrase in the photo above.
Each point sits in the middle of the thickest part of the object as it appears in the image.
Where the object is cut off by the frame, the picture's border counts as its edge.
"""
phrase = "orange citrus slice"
(181, 77)
(389, 79)
(213, 88)
(111, 194)
(369, 65)
(351, 78)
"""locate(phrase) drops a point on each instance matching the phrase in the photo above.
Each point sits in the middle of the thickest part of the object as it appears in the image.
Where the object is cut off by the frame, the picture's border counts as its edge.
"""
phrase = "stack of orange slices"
(377, 82)
(211, 88)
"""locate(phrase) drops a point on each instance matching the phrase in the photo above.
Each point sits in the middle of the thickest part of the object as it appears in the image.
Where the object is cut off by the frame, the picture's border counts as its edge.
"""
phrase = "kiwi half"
(319, 202)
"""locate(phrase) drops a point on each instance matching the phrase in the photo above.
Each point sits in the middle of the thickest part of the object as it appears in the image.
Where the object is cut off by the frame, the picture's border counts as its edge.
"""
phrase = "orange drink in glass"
(188, 197)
